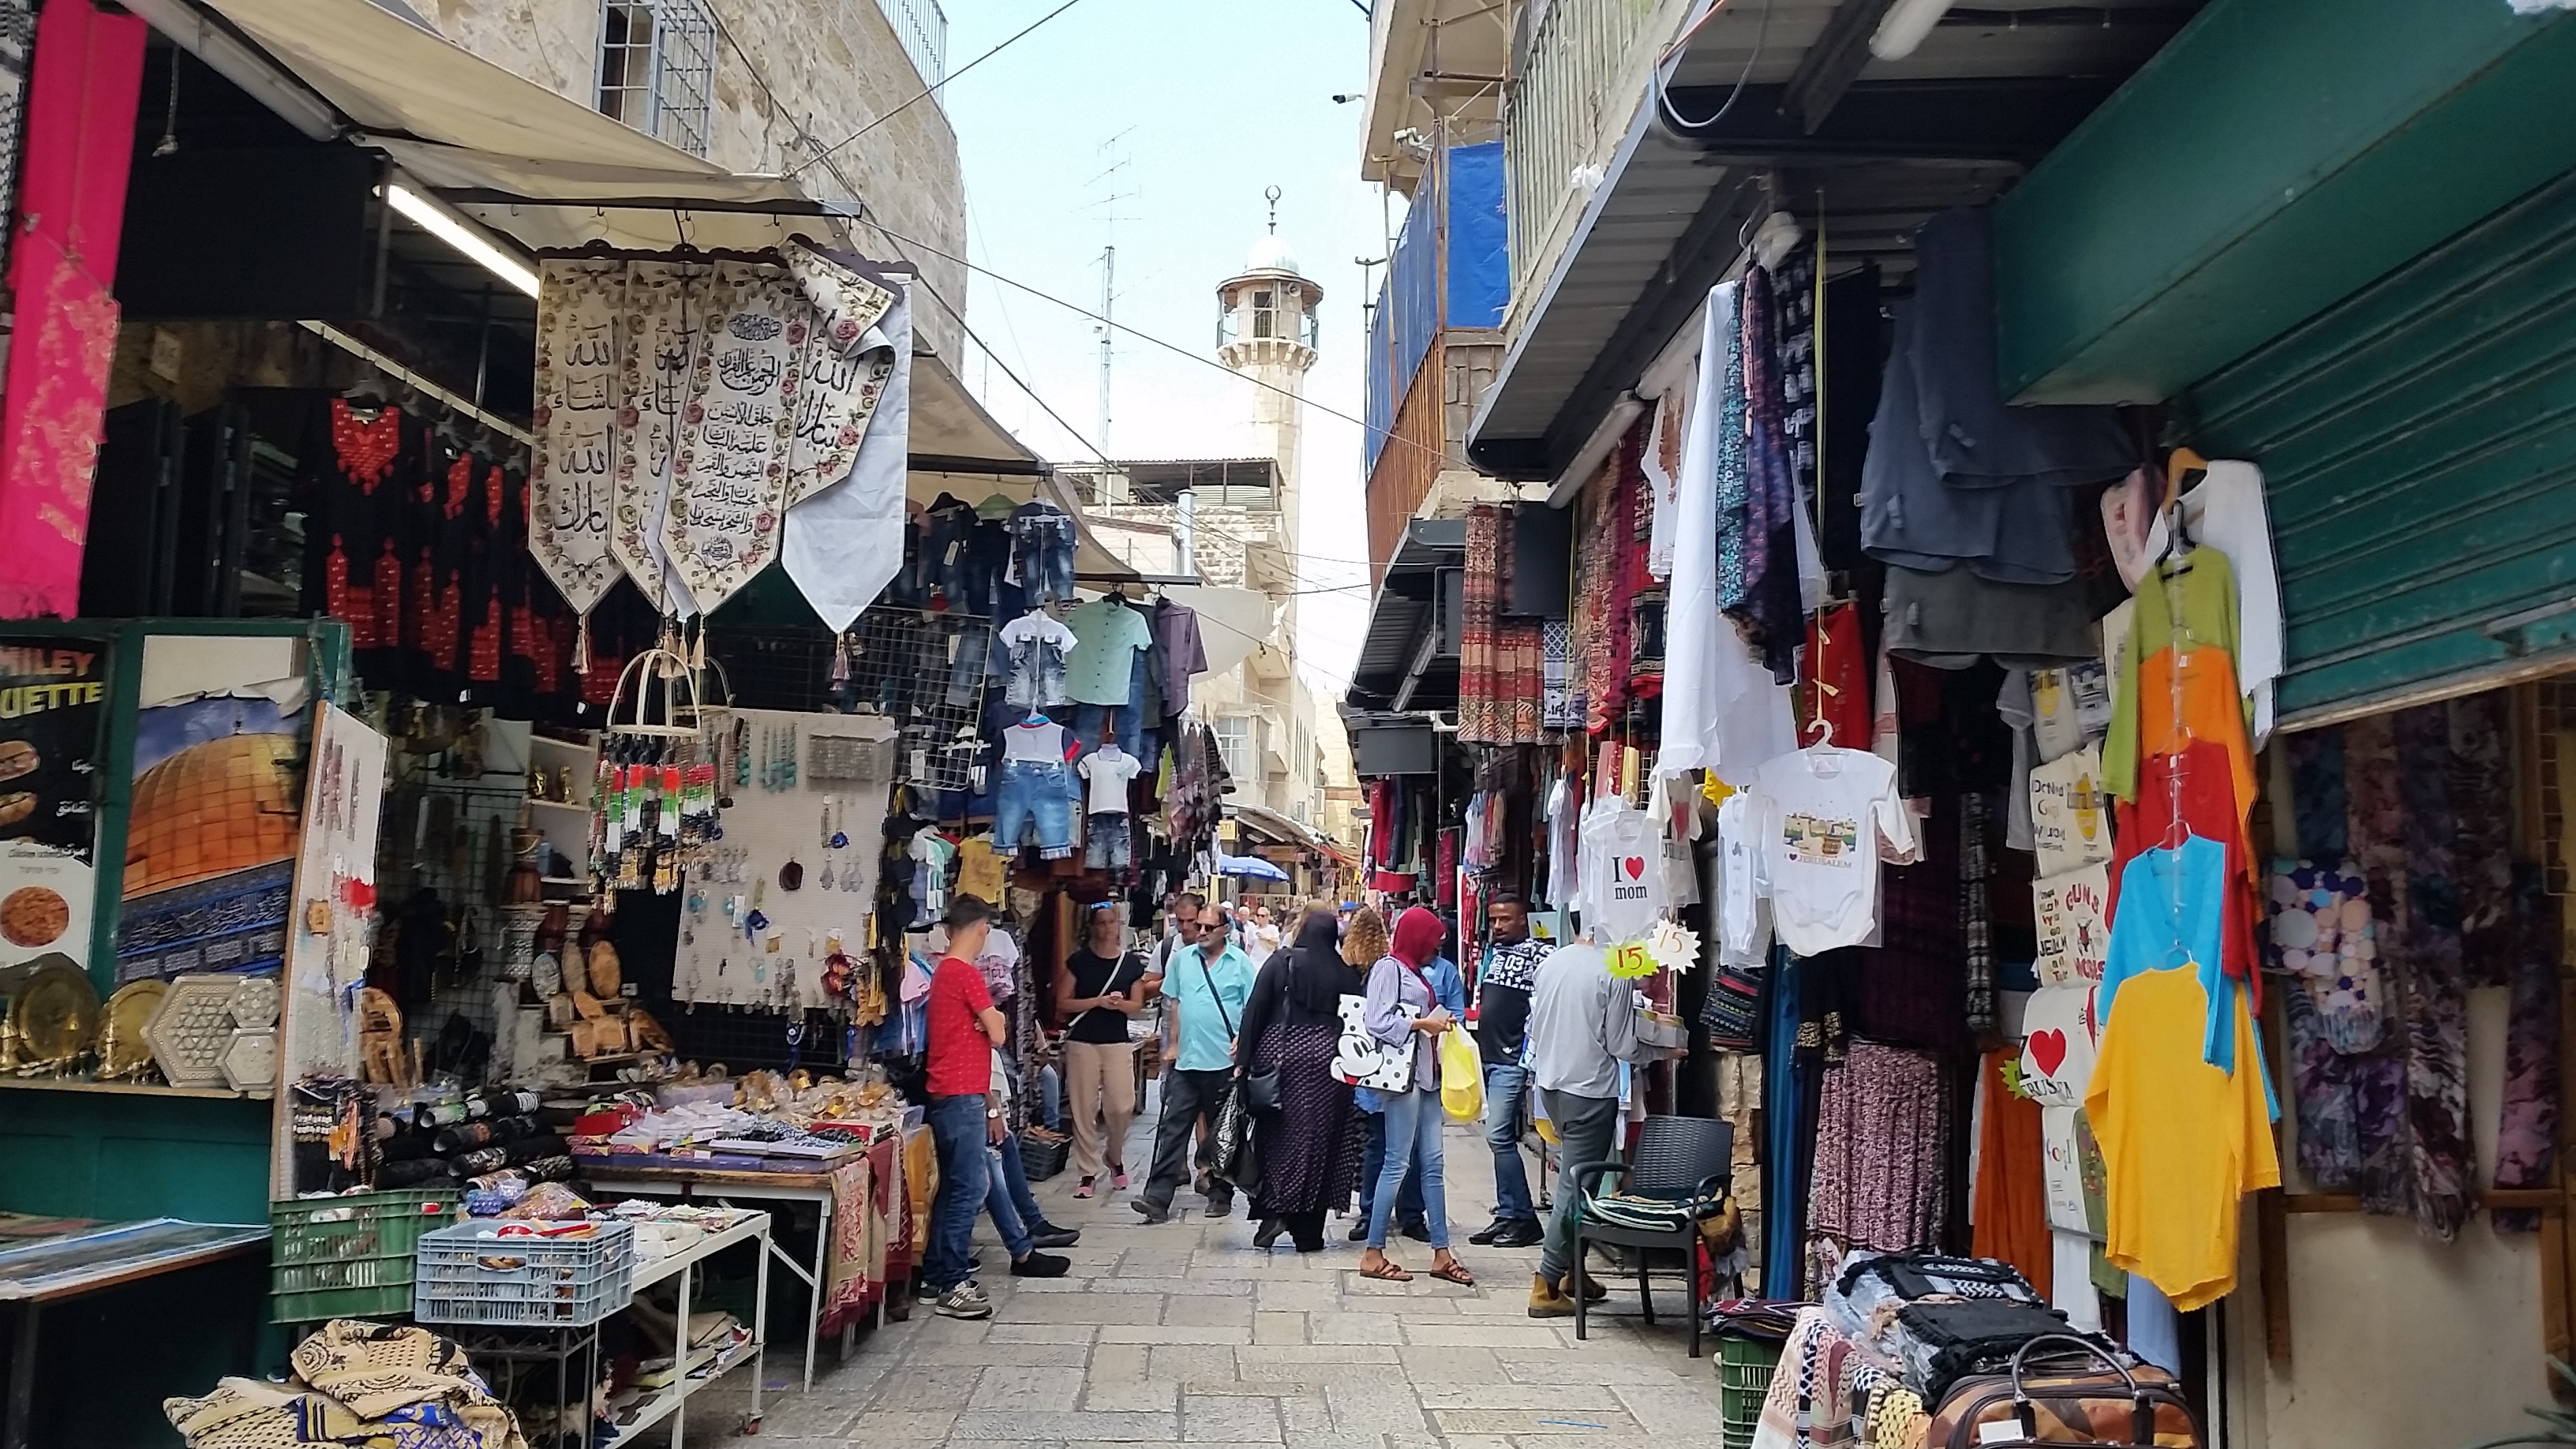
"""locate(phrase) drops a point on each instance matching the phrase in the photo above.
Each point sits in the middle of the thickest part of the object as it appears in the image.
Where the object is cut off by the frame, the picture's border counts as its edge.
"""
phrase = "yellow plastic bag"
(1462, 1077)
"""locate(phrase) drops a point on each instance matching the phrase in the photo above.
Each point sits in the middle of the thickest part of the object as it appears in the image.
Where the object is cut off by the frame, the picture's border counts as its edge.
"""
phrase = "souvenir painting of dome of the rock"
(212, 809)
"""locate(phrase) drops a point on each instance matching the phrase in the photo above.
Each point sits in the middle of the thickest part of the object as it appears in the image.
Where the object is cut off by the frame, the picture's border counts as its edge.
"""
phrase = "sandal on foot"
(1455, 1272)
(1387, 1272)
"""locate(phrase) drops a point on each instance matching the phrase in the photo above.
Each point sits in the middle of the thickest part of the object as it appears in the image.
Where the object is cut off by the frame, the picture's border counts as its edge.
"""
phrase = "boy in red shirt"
(963, 1030)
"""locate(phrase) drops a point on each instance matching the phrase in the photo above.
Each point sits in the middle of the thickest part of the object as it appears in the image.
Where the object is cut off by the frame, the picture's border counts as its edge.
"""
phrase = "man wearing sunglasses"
(1205, 986)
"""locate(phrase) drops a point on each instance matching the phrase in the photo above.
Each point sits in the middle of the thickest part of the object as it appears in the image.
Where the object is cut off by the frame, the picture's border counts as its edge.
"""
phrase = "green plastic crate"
(350, 1256)
(1744, 1368)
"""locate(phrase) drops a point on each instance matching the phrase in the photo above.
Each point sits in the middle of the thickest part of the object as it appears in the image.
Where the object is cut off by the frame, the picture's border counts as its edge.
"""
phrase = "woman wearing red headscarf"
(1403, 1008)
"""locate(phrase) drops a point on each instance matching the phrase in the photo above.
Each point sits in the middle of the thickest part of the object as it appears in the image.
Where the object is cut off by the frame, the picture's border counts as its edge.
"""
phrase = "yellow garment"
(979, 870)
(2181, 1140)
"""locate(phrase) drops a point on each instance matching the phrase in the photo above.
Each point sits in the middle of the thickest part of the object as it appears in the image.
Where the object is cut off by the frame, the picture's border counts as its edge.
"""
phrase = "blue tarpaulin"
(1480, 279)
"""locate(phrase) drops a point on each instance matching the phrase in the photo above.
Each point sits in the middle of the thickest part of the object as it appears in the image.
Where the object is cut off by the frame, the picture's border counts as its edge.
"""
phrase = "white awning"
(539, 166)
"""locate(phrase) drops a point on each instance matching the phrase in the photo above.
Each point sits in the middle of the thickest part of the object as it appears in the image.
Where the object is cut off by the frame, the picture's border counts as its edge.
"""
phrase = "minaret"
(1266, 330)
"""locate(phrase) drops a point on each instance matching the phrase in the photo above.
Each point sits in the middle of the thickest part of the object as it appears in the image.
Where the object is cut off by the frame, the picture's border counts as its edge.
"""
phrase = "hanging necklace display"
(826, 881)
(657, 812)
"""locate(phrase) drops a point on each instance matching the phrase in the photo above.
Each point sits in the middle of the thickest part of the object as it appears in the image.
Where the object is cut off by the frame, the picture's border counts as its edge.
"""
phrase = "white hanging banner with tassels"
(579, 311)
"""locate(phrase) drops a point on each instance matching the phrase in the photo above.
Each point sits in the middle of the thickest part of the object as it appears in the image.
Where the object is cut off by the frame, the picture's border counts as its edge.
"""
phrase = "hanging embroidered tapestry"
(844, 377)
(569, 486)
(729, 467)
(666, 305)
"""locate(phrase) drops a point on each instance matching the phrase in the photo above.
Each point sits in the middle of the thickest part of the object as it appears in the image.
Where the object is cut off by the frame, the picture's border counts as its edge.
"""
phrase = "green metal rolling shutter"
(2418, 445)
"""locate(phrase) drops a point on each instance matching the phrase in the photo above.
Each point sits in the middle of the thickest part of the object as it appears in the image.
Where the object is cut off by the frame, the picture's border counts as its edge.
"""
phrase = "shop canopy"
(1774, 106)
(1409, 657)
(1287, 831)
(537, 165)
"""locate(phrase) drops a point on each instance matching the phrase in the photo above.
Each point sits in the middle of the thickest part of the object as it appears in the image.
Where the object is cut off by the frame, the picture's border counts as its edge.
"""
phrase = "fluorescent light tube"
(445, 225)
(1904, 26)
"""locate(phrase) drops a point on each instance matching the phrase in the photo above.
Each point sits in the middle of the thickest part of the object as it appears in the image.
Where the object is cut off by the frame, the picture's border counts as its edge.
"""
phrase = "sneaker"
(1152, 1213)
(1048, 1235)
(1118, 1176)
(1040, 1265)
(1084, 1188)
(965, 1301)
(1518, 1233)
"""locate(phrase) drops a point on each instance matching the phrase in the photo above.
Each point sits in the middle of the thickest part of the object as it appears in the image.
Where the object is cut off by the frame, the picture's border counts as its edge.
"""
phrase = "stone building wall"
(806, 73)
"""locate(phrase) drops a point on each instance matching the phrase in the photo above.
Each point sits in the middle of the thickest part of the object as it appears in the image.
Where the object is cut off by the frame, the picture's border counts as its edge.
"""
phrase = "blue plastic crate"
(471, 1274)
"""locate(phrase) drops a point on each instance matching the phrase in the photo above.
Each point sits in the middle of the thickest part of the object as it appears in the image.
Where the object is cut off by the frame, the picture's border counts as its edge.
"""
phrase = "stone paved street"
(1182, 1334)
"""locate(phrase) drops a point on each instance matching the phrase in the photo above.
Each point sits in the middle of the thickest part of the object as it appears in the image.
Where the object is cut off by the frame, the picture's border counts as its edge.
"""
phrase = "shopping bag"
(1236, 1160)
(1462, 1077)
(1360, 1059)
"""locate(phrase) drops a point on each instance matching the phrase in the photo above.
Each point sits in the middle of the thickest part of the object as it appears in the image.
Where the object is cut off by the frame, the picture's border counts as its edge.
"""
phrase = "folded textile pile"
(355, 1384)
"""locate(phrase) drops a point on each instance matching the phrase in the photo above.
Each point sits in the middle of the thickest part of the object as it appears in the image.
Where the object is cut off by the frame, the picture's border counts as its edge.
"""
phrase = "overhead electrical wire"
(925, 91)
(1388, 434)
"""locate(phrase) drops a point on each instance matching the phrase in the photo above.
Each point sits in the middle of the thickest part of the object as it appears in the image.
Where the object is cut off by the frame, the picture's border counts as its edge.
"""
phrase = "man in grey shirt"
(1583, 1024)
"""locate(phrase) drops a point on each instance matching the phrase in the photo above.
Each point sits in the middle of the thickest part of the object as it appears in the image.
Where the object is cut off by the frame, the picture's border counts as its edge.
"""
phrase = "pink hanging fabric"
(87, 77)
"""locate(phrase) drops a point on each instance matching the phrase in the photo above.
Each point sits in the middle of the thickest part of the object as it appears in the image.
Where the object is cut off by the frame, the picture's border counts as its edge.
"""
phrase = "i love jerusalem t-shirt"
(1621, 872)
(1826, 817)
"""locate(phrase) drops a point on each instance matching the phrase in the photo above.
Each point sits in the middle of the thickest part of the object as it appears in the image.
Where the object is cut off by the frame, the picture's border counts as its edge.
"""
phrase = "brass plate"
(53, 1010)
(123, 1049)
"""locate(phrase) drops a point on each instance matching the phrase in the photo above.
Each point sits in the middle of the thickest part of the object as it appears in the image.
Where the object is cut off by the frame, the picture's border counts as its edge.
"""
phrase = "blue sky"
(1209, 102)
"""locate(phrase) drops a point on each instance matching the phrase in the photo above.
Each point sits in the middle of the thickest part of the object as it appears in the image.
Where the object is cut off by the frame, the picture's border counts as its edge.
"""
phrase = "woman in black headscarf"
(1309, 1149)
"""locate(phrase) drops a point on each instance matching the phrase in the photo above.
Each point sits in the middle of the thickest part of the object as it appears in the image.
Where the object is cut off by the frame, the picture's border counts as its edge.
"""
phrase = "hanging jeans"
(1089, 720)
(1412, 1143)
(957, 1128)
(1112, 844)
(1042, 550)
(1035, 794)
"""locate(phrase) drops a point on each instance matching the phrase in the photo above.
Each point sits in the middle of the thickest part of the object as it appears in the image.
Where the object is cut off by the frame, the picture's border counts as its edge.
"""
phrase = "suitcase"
(2065, 1392)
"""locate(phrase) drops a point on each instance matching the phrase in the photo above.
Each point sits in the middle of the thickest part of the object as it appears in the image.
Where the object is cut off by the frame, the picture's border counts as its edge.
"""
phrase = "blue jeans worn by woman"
(1412, 1141)
(1408, 1203)
(957, 1129)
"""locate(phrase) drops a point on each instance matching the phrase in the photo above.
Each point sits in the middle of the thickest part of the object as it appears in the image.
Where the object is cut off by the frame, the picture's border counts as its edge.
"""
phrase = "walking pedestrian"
(1363, 943)
(1502, 1024)
(1309, 1146)
(962, 1029)
(1206, 986)
(1583, 1024)
(1095, 994)
(1402, 1008)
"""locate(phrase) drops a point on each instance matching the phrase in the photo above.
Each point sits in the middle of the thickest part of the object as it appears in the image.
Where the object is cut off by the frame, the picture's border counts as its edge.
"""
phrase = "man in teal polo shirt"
(1207, 983)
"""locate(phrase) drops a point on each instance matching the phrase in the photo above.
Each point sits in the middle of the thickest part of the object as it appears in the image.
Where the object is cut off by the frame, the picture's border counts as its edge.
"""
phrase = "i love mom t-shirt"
(1620, 871)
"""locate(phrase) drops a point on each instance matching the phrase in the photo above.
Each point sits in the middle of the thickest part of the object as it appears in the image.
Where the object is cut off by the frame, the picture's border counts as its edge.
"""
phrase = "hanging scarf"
(729, 464)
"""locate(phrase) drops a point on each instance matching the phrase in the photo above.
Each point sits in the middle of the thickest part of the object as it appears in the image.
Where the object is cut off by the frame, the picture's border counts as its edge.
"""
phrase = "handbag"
(1360, 1059)
(2068, 1405)
(1261, 1091)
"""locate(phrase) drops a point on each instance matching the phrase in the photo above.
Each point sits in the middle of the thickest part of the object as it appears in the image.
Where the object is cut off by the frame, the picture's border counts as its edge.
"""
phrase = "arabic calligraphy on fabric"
(576, 416)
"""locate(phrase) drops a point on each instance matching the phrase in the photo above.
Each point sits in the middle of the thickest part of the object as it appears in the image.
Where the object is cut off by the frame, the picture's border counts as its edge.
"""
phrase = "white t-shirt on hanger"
(2070, 817)
(1108, 768)
(1621, 891)
(1826, 817)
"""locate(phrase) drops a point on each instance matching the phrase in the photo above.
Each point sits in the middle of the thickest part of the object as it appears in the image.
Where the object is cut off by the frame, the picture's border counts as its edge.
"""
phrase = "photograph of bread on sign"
(53, 695)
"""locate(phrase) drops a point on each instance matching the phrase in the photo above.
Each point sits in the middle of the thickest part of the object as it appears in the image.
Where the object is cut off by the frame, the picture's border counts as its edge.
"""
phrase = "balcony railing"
(1466, 188)
(923, 28)
(1580, 79)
